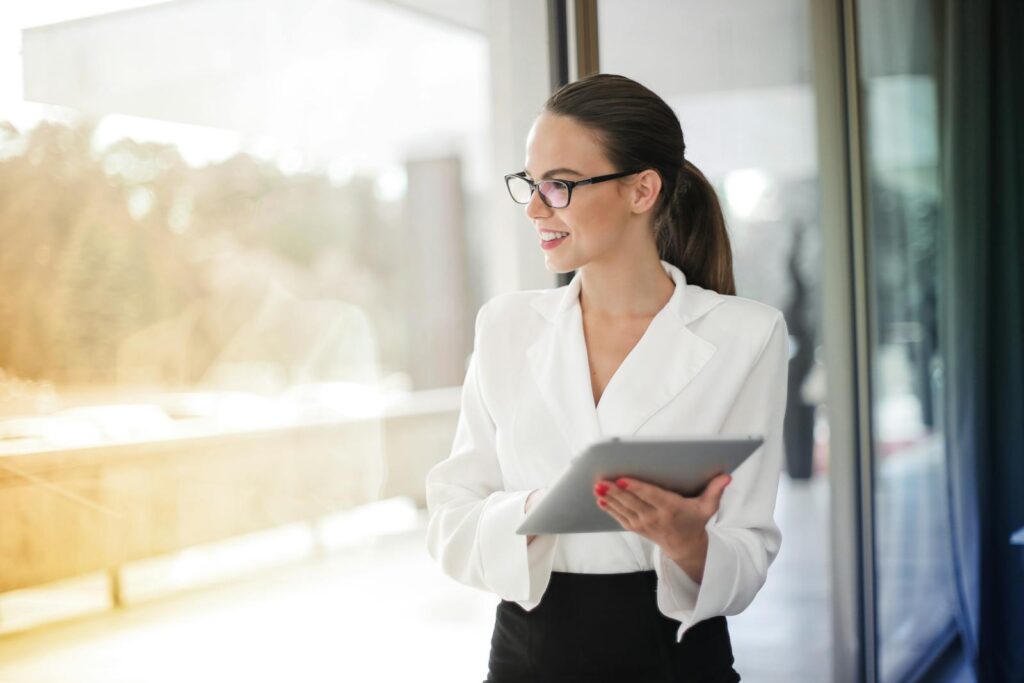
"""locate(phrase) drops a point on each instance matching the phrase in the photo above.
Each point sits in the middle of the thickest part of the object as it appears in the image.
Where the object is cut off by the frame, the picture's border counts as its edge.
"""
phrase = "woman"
(650, 324)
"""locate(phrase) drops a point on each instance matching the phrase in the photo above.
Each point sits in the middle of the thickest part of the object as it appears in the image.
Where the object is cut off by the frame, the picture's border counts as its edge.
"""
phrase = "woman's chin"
(555, 264)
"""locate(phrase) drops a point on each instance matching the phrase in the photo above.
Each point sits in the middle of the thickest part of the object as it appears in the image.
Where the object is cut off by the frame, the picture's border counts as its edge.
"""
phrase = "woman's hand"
(531, 500)
(674, 522)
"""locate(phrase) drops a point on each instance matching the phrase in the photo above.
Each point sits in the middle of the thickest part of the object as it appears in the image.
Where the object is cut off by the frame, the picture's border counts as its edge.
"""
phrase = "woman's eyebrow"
(554, 172)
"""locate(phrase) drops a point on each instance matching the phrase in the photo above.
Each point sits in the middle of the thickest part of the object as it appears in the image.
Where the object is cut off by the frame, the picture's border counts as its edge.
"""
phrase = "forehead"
(559, 142)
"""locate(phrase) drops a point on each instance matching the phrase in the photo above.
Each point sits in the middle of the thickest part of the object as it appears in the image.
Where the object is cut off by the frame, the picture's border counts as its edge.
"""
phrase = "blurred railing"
(71, 511)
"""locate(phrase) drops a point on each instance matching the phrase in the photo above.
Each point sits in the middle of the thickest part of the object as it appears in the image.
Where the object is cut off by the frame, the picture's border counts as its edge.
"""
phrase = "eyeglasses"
(554, 193)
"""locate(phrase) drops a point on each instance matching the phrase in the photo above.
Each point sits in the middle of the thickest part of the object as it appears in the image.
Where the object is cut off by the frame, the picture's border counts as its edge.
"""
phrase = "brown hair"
(639, 130)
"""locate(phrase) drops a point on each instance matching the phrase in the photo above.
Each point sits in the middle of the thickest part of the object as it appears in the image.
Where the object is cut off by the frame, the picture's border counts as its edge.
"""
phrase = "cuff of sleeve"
(689, 602)
(512, 569)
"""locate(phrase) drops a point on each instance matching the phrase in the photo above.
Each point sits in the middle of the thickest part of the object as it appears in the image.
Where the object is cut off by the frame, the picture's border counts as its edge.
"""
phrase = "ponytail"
(690, 232)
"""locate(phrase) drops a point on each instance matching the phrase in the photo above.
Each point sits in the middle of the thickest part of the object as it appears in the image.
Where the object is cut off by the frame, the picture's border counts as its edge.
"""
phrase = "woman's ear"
(645, 189)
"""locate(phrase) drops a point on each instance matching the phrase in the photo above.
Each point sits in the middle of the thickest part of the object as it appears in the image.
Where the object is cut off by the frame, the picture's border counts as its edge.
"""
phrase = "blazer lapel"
(559, 365)
(659, 366)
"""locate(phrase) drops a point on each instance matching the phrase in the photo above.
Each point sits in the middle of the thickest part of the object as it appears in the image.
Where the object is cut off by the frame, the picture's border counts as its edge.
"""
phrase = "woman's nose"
(536, 208)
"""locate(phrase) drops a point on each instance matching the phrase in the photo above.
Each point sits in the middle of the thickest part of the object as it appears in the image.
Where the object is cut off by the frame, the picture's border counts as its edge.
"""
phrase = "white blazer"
(707, 364)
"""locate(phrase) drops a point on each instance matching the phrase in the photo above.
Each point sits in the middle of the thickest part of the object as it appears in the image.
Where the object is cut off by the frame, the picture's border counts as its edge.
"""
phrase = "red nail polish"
(622, 483)
(601, 489)
(602, 502)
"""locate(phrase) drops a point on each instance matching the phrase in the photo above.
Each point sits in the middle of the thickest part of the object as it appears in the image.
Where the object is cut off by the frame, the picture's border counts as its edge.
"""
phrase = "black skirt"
(605, 627)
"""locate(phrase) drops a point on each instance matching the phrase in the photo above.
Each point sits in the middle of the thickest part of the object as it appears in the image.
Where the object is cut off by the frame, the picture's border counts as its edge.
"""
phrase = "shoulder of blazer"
(507, 316)
(740, 325)
(512, 309)
(748, 313)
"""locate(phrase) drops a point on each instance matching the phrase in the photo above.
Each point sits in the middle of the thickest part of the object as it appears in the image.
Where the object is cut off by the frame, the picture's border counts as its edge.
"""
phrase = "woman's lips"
(551, 244)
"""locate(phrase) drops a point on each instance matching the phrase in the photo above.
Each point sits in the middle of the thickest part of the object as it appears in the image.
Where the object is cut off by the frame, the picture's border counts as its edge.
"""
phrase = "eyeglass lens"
(554, 192)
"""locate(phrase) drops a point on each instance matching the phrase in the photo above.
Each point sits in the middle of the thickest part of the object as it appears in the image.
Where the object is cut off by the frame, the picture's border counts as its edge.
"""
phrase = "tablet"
(681, 465)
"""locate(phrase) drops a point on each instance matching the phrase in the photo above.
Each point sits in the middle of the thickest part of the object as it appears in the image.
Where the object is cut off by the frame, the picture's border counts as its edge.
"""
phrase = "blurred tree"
(95, 245)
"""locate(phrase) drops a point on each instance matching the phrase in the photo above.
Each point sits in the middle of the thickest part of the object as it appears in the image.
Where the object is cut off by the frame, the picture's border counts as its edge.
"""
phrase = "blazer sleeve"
(743, 538)
(471, 518)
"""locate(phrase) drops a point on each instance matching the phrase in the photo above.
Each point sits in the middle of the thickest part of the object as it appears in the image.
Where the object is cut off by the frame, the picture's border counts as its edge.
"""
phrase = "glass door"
(914, 580)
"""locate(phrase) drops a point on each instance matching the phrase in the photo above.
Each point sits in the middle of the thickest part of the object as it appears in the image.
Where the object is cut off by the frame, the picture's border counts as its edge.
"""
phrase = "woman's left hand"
(674, 522)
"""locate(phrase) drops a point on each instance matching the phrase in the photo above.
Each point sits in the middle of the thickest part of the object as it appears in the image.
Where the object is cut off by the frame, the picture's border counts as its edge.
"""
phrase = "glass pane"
(915, 590)
(738, 75)
(242, 244)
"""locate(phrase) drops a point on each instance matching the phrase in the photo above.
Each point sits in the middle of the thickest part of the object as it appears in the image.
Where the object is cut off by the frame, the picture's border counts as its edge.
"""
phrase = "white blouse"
(707, 364)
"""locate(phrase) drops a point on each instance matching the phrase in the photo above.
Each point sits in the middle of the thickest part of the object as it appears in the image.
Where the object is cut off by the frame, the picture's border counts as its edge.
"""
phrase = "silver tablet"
(681, 465)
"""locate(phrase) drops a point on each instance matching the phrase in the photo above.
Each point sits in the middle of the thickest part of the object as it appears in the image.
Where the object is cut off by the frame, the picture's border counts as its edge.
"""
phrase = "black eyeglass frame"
(569, 184)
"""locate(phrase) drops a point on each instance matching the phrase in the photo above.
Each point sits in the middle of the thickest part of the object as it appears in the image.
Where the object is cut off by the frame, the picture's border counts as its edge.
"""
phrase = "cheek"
(597, 219)
(593, 226)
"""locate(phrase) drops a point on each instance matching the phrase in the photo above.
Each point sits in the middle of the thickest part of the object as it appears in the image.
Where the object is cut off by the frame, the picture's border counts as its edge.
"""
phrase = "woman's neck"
(626, 289)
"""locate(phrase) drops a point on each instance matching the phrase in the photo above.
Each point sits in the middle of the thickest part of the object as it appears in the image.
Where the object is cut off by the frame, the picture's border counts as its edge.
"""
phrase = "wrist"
(691, 556)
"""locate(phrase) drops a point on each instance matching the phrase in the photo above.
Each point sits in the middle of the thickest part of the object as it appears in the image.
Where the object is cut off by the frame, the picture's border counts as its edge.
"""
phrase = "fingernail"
(602, 502)
(601, 489)
(622, 483)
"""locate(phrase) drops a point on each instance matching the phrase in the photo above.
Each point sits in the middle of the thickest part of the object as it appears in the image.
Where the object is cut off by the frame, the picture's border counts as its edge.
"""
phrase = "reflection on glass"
(225, 262)
(912, 554)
